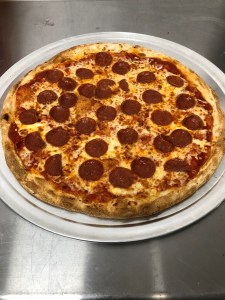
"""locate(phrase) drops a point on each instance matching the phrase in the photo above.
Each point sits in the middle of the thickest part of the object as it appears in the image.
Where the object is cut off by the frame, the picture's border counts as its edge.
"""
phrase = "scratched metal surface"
(185, 265)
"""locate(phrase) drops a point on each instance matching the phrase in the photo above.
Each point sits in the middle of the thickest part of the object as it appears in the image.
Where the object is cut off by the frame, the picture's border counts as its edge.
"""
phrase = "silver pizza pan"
(80, 226)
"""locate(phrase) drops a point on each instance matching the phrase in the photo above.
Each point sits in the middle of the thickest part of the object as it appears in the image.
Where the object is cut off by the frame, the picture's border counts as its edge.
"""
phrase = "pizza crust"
(41, 189)
(121, 207)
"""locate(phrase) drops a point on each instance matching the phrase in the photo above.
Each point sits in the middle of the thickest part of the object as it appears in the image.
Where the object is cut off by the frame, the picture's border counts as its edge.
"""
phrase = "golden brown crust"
(120, 207)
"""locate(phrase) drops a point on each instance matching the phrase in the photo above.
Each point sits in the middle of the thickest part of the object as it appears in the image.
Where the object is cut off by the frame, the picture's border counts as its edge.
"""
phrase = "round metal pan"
(83, 227)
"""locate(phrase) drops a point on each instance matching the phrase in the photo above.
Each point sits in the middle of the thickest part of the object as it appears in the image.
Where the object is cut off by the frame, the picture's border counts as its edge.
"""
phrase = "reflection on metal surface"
(44, 297)
(158, 271)
(160, 296)
(59, 257)
(78, 297)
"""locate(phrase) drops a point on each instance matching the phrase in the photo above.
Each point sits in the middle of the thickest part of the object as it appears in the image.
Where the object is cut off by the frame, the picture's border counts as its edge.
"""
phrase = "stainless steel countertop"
(187, 264)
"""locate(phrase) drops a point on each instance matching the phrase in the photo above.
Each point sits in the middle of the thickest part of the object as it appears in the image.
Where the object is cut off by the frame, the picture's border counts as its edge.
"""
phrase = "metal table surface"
(187, 264)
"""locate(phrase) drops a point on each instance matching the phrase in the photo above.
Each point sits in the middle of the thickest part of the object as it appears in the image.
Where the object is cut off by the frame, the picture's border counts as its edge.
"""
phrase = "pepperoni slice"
(68, 100)
(86, 125)
(106, 113)
(39, 76)
(121, 67)
(103, 92)
(103, 59)
(124, 85)
(105, 82)
(91, 170)
(96, 147)
(181, 138)
(146, 77)
(193, 122)
(46, 97)
(143, 167)
(185, 101)
(161, 117)
(175, 81)
(169, 66)
(84, 73)
(130, 107)
(87, 90)
(152, 97)
(53, 75)
(57, 137)
(33, 141)
(205, 104)
(13, 134)
(121, 177)
(127, 136)
(67, 83)
(53, 165)
(28, 116)
(59, 113)
(163, 143)
(176, 165)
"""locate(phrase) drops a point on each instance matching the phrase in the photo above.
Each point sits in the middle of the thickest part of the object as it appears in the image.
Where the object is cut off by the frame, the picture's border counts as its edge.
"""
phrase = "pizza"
(112, 130)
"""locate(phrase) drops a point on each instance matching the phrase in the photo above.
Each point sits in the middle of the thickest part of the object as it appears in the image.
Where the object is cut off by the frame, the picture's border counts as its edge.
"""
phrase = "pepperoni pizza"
(112, 130)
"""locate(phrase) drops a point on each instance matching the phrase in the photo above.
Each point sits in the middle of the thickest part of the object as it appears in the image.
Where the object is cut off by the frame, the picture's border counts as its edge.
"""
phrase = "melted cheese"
(121, 154)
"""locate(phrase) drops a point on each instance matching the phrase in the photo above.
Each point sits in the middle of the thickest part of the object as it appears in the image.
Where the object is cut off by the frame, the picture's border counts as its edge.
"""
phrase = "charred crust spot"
(6, 117)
